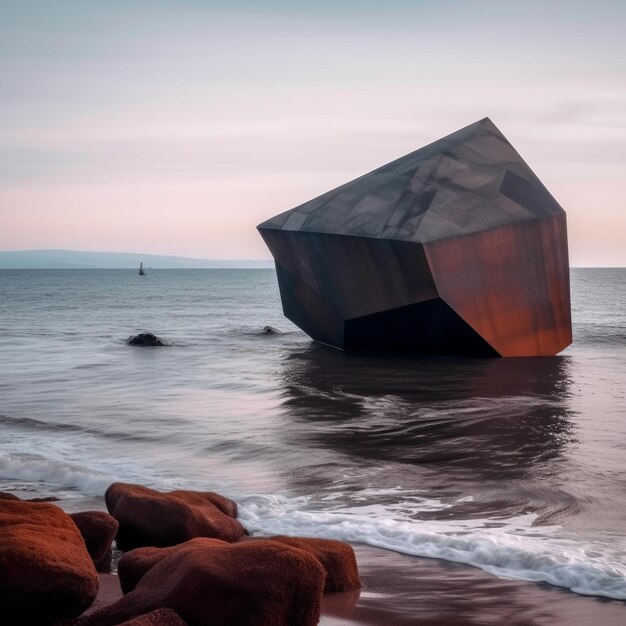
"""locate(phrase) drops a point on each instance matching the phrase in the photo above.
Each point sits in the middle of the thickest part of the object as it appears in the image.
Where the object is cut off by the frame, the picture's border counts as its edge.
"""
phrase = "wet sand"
(404, 590)
(399, 589)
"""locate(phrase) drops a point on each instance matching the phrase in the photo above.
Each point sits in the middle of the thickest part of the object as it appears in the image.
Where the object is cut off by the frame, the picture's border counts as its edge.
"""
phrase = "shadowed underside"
(455, 248)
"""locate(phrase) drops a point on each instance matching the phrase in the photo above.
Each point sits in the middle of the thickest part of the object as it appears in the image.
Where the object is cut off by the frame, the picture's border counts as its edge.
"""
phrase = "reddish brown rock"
(46, 573)
(160, 617)
(336, 557)
(5, 495)
(213, 583)
(135, 563)
(224, 504)
(151, 518)
(98, 530)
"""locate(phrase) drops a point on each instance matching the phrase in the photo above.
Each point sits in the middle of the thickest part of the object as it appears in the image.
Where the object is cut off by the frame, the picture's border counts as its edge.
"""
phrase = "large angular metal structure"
(456, 248)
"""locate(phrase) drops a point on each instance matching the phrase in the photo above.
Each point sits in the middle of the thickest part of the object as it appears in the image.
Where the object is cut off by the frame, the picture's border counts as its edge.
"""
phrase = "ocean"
(513, 466)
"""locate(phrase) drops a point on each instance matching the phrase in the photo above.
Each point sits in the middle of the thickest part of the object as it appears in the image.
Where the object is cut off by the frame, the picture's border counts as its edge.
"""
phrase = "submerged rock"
(152, 518)
(145, 339)
(270, 330)
(98, 530)
(46, 573)
(213, 583)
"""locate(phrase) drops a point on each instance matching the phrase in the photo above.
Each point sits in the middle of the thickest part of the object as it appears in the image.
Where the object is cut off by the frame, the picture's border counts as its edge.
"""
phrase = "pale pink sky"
(174, 128)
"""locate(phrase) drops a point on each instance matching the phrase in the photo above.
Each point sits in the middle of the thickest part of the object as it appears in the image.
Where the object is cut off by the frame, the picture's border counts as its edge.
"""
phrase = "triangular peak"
(459, 184)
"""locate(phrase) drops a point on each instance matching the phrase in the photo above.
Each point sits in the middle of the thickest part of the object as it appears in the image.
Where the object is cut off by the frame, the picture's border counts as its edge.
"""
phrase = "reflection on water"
(488, 414)
(452, 426)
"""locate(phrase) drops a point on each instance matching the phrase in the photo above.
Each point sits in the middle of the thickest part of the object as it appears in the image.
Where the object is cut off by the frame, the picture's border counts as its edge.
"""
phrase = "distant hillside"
(74, 259)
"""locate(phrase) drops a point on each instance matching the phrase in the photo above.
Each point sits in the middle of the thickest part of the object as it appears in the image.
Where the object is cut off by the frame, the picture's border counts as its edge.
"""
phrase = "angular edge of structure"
(502, 289)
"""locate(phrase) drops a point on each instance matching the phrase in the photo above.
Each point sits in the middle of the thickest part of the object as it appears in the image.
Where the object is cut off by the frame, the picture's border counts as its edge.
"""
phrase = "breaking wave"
(508, 548)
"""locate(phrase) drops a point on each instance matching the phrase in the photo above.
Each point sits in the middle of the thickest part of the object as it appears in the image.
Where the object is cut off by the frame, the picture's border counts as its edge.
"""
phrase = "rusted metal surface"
(510, 284)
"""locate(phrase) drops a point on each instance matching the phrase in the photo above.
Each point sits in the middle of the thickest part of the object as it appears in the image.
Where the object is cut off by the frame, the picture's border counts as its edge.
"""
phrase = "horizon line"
(178, 256)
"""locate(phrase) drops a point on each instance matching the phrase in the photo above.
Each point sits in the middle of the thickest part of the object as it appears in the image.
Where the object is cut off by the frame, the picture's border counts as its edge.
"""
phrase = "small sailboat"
(141, 270)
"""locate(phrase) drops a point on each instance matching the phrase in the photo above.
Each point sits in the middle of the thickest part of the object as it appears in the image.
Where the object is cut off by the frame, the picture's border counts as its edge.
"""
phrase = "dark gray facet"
(431, 189)
(430, 327)
(352, 276)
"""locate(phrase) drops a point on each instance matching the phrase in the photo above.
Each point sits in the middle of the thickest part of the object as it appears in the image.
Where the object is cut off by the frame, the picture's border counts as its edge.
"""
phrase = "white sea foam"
(31, 468)
(509, 548)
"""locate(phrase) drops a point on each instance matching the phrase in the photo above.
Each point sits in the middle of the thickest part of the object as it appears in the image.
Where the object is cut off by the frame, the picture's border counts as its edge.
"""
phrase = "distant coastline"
(75, 259)
(85, 260)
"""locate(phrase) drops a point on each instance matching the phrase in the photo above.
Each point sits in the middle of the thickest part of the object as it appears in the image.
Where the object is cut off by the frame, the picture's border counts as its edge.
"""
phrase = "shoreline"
(404, 590)
(401, 589)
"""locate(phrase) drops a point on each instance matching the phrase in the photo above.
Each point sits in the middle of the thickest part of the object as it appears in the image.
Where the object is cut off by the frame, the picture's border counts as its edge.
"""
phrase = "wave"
(613, 335)
(505, 547)
(61, 427)
(508, 548)
(58, 473)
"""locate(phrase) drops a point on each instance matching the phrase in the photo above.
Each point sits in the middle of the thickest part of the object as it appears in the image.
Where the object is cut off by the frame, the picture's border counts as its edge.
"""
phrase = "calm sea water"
(516, 466)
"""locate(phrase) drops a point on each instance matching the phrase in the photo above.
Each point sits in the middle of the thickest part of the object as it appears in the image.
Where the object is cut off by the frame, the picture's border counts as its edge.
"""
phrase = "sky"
(175, 127)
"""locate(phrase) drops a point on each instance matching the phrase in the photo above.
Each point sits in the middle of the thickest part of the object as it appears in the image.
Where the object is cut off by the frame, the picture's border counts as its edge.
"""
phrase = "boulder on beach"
(98, 530)
(134, 564)
(336, 557)
(46, 573)
(213, 583)
(5, 495)
(145, 339)
(152, 518)
(224, 504)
